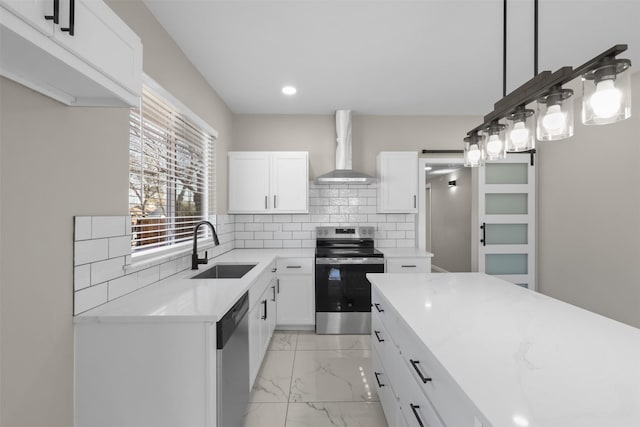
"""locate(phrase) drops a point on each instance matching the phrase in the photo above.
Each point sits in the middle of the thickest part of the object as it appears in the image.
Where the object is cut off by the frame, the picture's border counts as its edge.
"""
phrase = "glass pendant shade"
(520, 130)
(606, 93)
(494, 144)
(473, 151)
(555, 115)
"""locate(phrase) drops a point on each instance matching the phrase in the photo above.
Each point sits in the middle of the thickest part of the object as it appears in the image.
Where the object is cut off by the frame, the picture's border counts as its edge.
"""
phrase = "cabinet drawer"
(408, 265)
(295, 266)
(432, 380)
(260, 285)
(414, 405)
(386, 395)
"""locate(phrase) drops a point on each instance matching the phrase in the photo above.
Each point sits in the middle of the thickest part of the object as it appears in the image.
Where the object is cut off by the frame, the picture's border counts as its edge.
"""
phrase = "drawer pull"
(415, 412)
(264, 303)
(415, 364)
(377, 333)
(56, 13)
(378, 379)
(72, 18)
(409, 266)
(294, 266)
(377, 306)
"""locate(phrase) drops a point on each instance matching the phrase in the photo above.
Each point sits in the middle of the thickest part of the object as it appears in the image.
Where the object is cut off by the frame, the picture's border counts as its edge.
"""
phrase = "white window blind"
(171, 173)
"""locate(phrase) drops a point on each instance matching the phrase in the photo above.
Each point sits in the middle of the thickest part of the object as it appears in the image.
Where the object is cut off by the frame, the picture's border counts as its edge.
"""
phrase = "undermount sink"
(225, 271)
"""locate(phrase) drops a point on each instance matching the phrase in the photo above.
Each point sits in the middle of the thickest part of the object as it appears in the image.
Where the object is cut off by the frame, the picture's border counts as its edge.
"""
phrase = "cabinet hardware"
(72, 18)
(274, 269)
(377, 334)
(56, 13)
(415, 412)
(278, 285)
(415, 364)
(273, 288)
(378, 379)
(415, 203)
(264, 302)
(409, 266)
(377, 306)
(275, 205)
(294, 266)
(266, 202)
(483, 227)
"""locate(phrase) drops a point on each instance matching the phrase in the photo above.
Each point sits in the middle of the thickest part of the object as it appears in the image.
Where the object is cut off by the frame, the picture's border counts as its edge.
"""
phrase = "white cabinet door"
(102, 40)
(248, 182)
(289, 182)
(398, 182)
(256, 334)
(272, 316)
(33, 12)
(296, 300)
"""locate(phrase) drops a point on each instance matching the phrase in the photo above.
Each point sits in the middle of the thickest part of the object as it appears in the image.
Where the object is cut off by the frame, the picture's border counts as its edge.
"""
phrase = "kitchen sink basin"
(225, 271)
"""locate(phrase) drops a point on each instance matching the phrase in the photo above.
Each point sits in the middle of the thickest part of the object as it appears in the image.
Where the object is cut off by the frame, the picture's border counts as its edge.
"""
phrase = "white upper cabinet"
(397, 182)
(268, 182)
(81, 54)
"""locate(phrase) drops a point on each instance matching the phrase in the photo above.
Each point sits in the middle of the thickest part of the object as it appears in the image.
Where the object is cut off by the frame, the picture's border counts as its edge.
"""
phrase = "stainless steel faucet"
(194, 257)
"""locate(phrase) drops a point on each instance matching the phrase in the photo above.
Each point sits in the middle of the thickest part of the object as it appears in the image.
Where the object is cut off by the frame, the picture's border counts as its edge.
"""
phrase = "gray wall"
(57, 162)
(589, 217)
(451, 221)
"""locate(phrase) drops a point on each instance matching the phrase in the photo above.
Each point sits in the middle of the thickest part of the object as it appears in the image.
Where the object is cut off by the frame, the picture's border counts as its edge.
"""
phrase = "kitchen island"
(485, 353)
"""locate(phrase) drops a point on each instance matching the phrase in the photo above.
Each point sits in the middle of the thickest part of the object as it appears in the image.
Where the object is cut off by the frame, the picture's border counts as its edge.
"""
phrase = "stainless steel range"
(344, 255)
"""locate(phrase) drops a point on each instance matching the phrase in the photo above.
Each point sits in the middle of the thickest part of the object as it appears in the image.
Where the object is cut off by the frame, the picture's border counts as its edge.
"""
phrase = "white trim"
(178, 104)
(436, 269)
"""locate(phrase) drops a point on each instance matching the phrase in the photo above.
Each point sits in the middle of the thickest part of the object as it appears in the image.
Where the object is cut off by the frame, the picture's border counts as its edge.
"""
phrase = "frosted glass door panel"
(506, 264)
(506, 234)
(506, 173)
(506, 204)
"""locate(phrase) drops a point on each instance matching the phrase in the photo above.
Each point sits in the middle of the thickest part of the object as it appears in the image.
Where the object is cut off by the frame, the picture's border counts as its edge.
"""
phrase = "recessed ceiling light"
(289, 90)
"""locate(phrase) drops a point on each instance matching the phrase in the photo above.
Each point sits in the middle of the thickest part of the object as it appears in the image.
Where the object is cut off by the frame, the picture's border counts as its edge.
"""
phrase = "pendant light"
(520, 130)
(606, 92)
(555, 114)
(473, 151)
(495, 147)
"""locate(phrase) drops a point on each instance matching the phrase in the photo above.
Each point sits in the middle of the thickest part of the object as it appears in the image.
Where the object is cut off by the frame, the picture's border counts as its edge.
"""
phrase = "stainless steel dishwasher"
(233, 364)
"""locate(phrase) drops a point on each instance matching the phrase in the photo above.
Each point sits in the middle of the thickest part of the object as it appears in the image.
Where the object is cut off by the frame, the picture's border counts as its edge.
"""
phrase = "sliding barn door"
(506, 212)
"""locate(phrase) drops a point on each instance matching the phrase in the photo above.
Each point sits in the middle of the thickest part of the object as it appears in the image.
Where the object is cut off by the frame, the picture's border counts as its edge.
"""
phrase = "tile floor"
(309, 380)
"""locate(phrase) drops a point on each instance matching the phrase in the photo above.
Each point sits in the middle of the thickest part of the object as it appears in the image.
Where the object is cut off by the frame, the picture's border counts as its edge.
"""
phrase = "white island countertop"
(523, 359)
(181, 299)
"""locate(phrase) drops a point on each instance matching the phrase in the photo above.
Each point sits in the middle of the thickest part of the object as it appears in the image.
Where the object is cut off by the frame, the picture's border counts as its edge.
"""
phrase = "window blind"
(171, 173)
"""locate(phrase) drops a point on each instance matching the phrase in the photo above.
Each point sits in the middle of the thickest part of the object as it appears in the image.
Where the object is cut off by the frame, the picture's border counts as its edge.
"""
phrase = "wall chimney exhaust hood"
(343, 174)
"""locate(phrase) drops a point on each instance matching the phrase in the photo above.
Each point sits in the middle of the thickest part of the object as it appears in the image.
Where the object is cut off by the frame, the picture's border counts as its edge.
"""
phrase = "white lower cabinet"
(296, 292)
(414, 389)
(408, 265)
(262, 322)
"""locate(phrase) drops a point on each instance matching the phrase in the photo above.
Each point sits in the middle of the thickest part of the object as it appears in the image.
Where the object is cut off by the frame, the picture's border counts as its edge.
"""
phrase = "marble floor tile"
(274, 378)
(333, 375)
(333, 342)
(336, 414)
(283, 341)
(266, 415)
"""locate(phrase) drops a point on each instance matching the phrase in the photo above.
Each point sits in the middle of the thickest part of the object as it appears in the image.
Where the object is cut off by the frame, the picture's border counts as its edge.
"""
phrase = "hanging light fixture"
(495, 147)
(473, 151)
(555, 114)
(520, 133)
(606, 91)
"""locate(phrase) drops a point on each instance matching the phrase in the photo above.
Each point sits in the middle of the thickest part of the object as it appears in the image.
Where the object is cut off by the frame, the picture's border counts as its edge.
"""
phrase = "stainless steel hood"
(343, 174)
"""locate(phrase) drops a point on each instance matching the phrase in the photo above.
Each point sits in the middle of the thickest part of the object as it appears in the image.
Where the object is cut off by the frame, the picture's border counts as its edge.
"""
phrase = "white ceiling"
(436, 57)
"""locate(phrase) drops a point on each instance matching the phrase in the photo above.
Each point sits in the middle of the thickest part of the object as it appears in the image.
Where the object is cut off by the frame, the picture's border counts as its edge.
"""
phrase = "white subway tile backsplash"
(408, 226)
(239, 226)
(254, 226)
(127, 225)
(282, 218)
(387, 226)
(168, 268)
(291, 243)
(308, 243)
(148, 276)
(119, 246)
(308, 226)
(339, 201)
(81, 277)
(301, 235)
(87, 251)
(244, 235)
(339, 218)
(263, 235)
(274, 244)
(88, 298)
(315, 201)
(396, 235)
(406, 243)
(263, 218)
(292, 226)
(366, 209)
(348, 193)
(367, 193)
(122, 286)
(249, 244)
(104, 271)
(301, 218)
(282, 235)
(348, 209)
(386, 243)
(396, 217)
(244, 218)
(274, 226)
(320, 218)
(107, 226)
(356, 218)
(82, 227)
(239, 244)
(329, 192)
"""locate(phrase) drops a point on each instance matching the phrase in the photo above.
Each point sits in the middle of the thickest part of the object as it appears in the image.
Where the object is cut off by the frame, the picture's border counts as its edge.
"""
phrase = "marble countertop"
(181, 299)
(405, 253)
(524, 359)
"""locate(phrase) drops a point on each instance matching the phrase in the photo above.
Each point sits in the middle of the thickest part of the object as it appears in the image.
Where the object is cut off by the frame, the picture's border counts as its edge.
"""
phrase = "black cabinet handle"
(266, 202)
(415, 203)
(415, 364)
(378, 379)
(274, 293)
(409, 266)
(415, 412)
(264, 302)
(483, 227)
(274, 269)
(377, 306)
(377, 333)
(294, 266)
(72, 18)
(56, 13)
(275, 205)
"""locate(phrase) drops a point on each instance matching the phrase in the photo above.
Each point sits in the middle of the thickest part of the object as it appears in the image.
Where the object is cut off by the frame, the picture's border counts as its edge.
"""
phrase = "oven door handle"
(325, 261)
